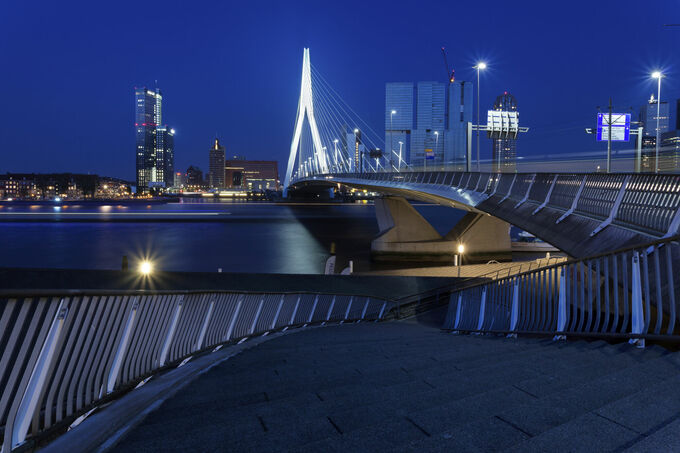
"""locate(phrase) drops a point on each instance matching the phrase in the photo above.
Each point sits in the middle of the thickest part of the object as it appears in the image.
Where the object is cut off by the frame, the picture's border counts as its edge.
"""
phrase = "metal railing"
(630, 293)
(65, 353)
(645, 203)
(524, 266)
(623, 161)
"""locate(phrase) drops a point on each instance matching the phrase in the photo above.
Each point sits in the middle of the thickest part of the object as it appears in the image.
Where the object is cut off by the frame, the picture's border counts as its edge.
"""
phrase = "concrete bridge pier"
(406, 236)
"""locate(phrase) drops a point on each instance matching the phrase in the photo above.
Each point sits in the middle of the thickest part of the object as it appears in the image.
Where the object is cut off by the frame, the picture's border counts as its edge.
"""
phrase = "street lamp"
(145, 267)
(400, 145)
(436, 143)
(461, 250)
(335, 154)
(392, 113)
(480, 67)
(657, 75)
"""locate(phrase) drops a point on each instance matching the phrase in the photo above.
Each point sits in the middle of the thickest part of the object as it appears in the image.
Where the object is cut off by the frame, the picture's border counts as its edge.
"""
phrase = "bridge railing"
(623, 161)
(62, 353)
(631, 293)
(641, 202)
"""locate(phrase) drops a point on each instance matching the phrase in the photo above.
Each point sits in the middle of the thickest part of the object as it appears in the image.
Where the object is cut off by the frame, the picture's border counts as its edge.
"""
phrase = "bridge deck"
(403, 386)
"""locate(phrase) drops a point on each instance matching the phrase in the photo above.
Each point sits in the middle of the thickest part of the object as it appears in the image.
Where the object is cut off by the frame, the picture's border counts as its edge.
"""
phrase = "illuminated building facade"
(430, 118)
(216, 174)
(154, 143)
(251, 175)
(504, 150)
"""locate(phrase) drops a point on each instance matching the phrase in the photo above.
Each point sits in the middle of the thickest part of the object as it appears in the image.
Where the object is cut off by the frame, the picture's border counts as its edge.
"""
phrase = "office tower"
(165, 157)
(428, 119)
(648, 114)
(504, 150)
(216, 170)
(154, 142)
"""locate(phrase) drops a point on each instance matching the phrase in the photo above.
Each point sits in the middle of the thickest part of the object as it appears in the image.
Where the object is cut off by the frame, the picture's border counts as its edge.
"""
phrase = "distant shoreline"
(97, 202)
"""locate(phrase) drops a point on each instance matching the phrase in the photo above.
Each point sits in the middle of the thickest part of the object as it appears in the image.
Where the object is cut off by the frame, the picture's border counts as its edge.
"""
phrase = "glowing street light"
(480, 67)
(461, 250)
(145, 267)
(657, 75)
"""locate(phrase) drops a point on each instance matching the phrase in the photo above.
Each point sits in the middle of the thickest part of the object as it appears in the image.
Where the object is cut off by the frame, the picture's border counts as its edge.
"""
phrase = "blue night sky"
(232, 68)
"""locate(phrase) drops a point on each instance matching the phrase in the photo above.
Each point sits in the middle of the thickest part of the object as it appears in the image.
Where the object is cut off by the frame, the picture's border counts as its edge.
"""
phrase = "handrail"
(628, 292)
(61, 356)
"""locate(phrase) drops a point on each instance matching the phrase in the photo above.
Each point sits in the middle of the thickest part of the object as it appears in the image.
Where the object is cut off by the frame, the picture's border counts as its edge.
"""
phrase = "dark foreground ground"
(407, 386)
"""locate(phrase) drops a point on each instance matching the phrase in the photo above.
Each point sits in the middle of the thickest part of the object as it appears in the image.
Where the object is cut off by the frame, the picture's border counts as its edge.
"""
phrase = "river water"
(249, 237)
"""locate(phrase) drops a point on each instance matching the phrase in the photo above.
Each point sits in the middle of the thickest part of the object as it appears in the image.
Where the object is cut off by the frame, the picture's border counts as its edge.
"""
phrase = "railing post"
(363, 313)
(297, 305)
(278, 311)
(171, 332)
(562, 306)
(204, 328)
(514, 312)
(311, 313)
(349, 306)
(233, 318)
(30, 400)
(638, 317)
(122, 347)
(257, 315)
(574, 203)
(330, 309)
(482, 308)
(547, 197)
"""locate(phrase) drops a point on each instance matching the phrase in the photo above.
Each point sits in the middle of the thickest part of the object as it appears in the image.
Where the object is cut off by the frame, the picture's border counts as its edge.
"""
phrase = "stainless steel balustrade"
(629, 293)
(62, 354)
(645, 203)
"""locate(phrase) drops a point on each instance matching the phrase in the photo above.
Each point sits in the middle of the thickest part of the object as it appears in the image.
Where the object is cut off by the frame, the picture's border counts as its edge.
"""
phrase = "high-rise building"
(504, 150)
(216, 174)
(154, 142)
(427, 118)
(648, 114)
(165, 156)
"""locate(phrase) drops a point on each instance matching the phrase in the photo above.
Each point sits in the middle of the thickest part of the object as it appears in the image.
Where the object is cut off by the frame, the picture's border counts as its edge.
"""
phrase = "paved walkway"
(403, 386)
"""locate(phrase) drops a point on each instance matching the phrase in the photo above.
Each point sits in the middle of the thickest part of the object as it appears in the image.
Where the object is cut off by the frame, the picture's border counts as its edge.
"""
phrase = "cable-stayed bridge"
(573, 206)
(107, 360)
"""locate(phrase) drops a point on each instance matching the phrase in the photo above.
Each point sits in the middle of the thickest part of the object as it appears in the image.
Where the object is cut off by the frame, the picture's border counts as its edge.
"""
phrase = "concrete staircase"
(408, 386)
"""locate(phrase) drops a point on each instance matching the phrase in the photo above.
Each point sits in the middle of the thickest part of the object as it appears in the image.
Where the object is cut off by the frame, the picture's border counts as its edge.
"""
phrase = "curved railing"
(64, 352)
(631, 293)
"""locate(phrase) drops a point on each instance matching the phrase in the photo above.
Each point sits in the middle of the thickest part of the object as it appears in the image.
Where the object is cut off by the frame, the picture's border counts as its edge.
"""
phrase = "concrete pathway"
(407, 386)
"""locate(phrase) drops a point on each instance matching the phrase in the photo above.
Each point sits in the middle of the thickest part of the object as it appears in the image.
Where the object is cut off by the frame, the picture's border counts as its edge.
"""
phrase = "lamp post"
(436, 143)
(400, 145)
(357, 161)
(480, 66)
(461, 250)
(657, 75)
(392, 113)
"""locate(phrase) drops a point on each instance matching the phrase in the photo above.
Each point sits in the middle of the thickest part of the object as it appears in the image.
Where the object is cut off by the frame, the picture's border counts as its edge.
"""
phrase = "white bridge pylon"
(306, 106)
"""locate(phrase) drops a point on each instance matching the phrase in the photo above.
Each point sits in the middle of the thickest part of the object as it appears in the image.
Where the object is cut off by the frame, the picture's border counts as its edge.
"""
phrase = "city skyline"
(560, 86)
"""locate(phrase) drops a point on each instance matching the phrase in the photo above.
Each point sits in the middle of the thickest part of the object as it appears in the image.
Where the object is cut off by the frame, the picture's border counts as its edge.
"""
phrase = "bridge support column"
(406, 236)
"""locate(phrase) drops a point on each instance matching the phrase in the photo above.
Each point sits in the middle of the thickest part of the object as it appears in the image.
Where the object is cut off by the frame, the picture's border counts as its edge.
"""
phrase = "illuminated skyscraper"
(428, 119)
(504, 151)
(154, 144)
(216, 174)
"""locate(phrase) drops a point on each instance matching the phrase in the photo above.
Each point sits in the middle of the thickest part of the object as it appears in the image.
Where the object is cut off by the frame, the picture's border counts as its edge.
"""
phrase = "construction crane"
(450, 73)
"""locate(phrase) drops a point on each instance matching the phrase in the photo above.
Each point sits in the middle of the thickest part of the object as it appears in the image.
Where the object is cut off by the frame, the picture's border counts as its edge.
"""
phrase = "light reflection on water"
(255, 237)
